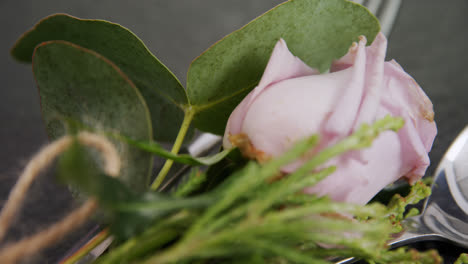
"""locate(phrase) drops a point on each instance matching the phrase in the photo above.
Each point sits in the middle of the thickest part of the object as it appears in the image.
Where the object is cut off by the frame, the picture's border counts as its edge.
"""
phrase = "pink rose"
(293, 101)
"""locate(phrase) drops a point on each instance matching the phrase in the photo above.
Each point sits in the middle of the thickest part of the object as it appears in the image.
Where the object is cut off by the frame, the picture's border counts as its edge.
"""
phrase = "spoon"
(445, 213)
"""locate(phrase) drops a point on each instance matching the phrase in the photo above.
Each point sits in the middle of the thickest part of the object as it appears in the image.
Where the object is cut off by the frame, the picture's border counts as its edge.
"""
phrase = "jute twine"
(13, 252)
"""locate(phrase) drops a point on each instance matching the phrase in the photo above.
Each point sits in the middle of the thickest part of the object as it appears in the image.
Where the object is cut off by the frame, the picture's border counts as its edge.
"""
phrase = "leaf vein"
(199, 108)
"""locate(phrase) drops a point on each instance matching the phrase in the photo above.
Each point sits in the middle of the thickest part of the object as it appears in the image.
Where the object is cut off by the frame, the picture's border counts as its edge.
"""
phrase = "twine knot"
(13, 252)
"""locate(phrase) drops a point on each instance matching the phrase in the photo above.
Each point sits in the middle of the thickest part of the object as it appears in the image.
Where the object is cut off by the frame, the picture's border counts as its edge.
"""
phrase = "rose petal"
(357, 182)
(342, 119)
(277, 119)
(375, 56)
(403, 97)
(282, 65)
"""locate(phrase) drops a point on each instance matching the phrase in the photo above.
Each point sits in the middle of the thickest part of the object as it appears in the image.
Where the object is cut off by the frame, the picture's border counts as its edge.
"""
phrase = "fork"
(445, 212)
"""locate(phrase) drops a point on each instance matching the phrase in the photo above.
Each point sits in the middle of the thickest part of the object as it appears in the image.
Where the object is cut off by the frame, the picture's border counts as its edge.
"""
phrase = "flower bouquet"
(314, 121)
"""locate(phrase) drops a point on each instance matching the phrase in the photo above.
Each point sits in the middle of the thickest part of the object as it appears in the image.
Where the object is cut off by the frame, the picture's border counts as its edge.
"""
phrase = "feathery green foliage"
(253, 217)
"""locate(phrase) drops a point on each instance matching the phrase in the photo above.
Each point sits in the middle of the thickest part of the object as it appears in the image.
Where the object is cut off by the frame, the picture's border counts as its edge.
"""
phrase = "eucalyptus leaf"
(165, 96)
(155, 148)
(317, 31)
(79, 84)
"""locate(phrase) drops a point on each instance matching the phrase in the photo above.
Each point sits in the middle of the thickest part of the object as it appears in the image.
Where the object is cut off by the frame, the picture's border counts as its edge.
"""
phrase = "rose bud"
(293, 101)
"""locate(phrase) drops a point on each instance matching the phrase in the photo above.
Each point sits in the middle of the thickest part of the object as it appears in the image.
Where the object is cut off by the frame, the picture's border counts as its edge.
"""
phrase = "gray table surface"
(429, 40)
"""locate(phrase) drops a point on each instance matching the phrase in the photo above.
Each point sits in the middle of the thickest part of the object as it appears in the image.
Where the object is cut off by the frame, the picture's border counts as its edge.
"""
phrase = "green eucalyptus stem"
(188, 117)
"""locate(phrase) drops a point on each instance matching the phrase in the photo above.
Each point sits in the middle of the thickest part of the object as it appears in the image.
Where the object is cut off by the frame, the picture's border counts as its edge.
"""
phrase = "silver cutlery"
(445, 213)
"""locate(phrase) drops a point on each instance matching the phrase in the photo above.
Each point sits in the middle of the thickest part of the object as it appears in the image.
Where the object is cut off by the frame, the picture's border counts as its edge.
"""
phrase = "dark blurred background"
(429, 40)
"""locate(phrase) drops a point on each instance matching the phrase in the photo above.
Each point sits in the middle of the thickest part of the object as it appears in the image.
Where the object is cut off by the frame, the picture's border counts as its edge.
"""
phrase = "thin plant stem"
(95, 241)
(188, 117)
